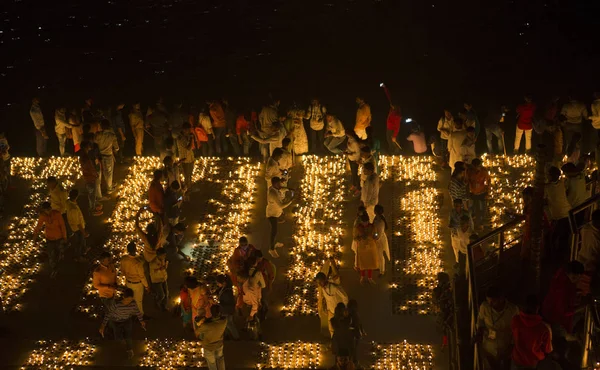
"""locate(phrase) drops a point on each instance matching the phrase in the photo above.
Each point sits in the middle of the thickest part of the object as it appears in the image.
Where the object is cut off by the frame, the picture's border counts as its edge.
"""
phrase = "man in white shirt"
(329, 295)
(60, 127)
(316, 114)
(286, 161)
(335, 135)
(353, 153)
(274, 139)
(589, 254)
(369, 194)
(108, 145)
(272, 167)
(41, 138)
(276, 202)
(575, 112)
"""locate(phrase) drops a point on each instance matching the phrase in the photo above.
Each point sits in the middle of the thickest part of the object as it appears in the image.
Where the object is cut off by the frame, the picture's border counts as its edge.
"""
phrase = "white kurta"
(299, 137)
(383, 246)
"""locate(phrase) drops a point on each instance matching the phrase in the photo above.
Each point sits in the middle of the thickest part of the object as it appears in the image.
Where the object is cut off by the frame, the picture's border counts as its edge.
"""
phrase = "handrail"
(591, 203)
(473, 295)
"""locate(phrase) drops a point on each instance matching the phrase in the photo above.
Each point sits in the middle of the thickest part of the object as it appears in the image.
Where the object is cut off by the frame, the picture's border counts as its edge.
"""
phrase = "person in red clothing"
(242, 126)
(156, 195)
(90, 176)
(393, 127)
(560, 303)
(55, 233)
(478, 180)
(237, 261)
(267, 269)
(525, 114)
(532, 337)
(217, 114)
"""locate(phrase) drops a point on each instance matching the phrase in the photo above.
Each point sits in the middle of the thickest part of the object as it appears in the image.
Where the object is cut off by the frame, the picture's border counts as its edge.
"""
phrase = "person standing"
(367, 257)
(205, 123)
(242, 128)
(276, 202)
(60, 127)
(159, 125)
(316, 116)
(575, 187)
(185, 145)
(132, 268)
(471, 119)
(457, 137)
(176, 119)
(417, 137)
(90, 177)
(227, 304)
(589, 254)
(525, 114)
(557, 209)
(494, 127)
(575, 112)
(532, 337)
(55, 233)
(41, 138)
(393, 128)
(494, 329)
(445, 127)
(458, 187)
(252, 285)
(108, 145)
(369, 194)
(210, 332)
(219, 125)
(298, 133)
(136, 121)
(77, 224)
(173, 201)
(104, 278)
(286, 161)
(272, 167)
(118, 126)
(230, 122)
(158, 277)
(353, 152)
(119, 317)
(58, 197)
(335, 134)
(329, 295)
(383, 248)
(156, 196)
(560, 303)
(363, 118)
(76, 130)
(478, 180)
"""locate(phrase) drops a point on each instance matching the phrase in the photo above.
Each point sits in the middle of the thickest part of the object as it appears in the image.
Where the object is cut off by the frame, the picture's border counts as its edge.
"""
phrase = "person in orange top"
(363, 118)
(104, 278)
(478, 180)
(242, 126)
(219, 125)
(236, 262)
(55, 233)
(156, 195)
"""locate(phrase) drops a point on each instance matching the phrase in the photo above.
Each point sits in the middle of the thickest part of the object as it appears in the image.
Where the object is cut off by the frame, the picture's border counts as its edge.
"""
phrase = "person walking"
(329, 295)
(367, 256)
(383, 248)
(41, 138)
(335, 134)
(77, 224)
(104, 278)
(393, 128)
(55, 233)
(210, 332)
(532, 337)
(369, 193)
(525, 113)
(132, 268)
(108, 145)
(227, 303)
(276, 202)
(158, 277)
(119, 318)
(60, 127)
(316, 116)
(136, 121)
(363, 118)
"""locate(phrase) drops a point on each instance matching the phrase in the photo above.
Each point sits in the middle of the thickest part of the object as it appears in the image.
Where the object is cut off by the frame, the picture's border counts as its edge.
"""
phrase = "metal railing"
(492, 264)
(578, 217)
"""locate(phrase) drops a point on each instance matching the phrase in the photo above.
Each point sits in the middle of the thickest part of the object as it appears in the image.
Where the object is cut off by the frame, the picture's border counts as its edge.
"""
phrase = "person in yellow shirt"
(363, 118)
(77, 224)
(132, 267)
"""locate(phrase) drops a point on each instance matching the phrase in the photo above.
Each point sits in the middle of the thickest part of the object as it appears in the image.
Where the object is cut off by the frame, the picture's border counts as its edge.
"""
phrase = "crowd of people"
(209, 308)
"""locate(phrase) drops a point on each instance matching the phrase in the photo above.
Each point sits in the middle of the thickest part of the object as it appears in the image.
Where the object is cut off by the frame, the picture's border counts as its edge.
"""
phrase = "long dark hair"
(379, 212)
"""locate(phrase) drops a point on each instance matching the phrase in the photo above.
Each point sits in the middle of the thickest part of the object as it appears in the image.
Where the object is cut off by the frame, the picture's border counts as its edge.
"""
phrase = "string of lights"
(319, 228)
(20, 255)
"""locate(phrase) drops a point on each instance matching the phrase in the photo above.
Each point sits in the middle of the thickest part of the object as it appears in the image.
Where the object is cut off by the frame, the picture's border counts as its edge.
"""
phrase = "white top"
(558, 204)
(575, 112)
(60, 122)
(336, 128)
(285, 162)
(445, 127)
(204, 120)
(36, 116)
(369, 193)
(316, 114)
(354, 149)
(589, 254)
(275, 203)
(333, 294)
(576, 191)
(272, 169)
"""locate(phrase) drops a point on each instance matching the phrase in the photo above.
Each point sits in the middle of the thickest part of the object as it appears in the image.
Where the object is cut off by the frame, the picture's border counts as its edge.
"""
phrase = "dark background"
(432, 54)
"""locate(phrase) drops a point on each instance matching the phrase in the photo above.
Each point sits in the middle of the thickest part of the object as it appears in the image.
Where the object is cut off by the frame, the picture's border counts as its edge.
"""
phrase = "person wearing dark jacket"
(227, 303)
(343, 335)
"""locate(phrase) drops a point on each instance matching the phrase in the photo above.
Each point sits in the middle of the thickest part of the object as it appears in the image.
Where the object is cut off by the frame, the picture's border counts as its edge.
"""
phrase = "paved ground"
(48, 309)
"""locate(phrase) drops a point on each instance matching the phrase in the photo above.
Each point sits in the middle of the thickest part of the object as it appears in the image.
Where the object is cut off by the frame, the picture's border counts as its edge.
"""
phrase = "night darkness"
(432, 54)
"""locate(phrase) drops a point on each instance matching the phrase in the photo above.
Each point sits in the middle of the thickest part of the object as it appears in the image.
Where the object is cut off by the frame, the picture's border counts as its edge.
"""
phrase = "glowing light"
(58, 354)
(402, 356)
(292, 355)
(173, 354)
